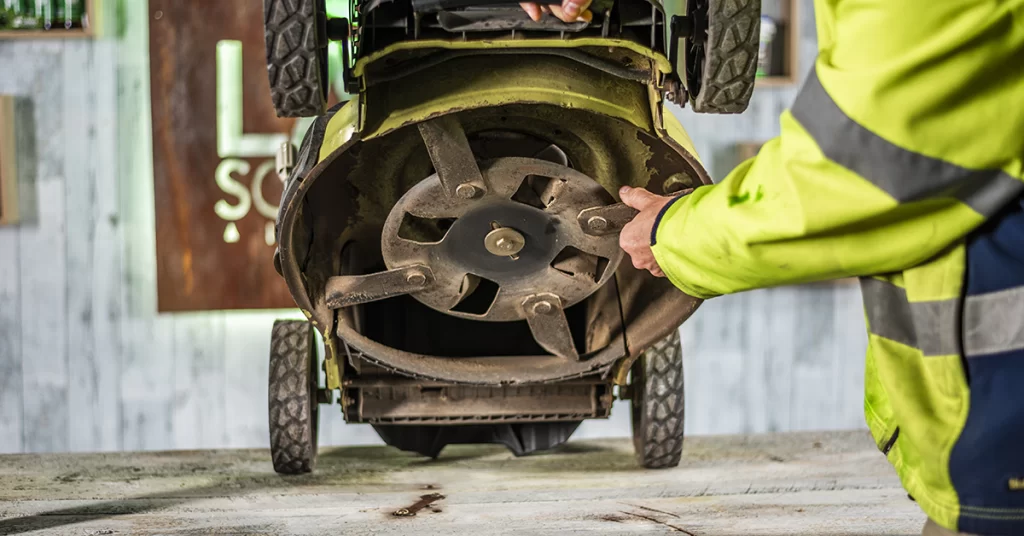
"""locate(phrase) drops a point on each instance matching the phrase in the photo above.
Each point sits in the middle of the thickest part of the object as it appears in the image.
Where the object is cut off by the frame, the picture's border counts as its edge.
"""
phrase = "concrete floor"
(793, 484)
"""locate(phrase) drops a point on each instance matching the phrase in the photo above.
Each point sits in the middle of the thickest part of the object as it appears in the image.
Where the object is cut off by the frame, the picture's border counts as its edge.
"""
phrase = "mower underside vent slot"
(576, 263)
(478, 294)
(424, 230)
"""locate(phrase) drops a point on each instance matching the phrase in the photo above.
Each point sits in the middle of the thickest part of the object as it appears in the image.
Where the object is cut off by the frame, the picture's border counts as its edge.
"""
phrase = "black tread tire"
(296, 56)
(730, 57)
(293, 407)
(658, 404)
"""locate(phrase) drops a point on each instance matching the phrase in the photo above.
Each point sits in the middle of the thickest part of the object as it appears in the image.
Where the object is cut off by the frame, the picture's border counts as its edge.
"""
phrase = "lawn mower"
(451, 228)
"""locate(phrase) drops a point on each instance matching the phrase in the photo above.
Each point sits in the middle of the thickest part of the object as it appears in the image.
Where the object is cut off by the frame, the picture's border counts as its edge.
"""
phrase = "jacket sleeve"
(869, 174)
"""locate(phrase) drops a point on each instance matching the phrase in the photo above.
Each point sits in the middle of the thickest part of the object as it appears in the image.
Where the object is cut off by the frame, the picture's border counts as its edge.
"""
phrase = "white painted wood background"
(87, 365)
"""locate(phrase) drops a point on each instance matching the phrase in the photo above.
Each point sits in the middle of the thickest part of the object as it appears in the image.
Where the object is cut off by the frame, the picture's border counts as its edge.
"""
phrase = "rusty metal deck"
(793, 484)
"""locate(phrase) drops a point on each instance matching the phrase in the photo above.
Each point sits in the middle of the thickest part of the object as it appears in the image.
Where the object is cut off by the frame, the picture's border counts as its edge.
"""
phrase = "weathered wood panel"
(94, 250)
(147, 386)
(246, 342)
(108, 306)
(848, 348)
(83, 366)
(785, 484)
(10, 287)
(10, 344)
(44, 324)
(42, 257)
(714, 351)
(776, 311)
(814, 360)
(199, 381)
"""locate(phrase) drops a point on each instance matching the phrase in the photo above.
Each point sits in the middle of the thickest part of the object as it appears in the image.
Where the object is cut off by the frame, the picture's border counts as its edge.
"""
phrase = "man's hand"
(569, 11)
(635, 238)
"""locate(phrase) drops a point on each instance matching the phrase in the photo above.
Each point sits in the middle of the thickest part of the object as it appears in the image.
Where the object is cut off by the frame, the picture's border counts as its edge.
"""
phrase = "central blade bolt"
(466, 191)
(416, 278)
(505, 244)
(542, 308)
(597, 223)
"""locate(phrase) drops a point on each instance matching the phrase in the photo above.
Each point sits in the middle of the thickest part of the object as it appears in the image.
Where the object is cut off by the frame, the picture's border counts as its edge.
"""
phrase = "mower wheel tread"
(292, 400)
(658, 404)
(295, 57)
(730, 68)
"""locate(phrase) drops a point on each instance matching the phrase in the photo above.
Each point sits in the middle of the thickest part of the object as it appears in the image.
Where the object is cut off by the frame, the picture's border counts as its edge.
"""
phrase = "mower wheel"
(296, 39)
(293, 397)
(657, 404)
(721, 54)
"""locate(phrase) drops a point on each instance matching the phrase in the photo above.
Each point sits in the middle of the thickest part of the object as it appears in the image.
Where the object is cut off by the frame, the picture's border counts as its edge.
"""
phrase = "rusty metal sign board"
(215, 134)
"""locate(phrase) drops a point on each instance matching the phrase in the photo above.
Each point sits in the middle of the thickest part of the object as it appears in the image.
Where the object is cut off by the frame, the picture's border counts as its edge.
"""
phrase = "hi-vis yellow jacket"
(907, 136)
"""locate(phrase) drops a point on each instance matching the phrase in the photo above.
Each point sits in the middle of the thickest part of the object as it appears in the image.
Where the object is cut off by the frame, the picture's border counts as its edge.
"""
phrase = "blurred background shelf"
(87, 30)
(776, 81)
(784, 34)
(75, 33)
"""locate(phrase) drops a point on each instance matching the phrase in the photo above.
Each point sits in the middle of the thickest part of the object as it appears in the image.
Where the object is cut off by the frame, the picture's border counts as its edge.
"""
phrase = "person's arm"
(902, 141)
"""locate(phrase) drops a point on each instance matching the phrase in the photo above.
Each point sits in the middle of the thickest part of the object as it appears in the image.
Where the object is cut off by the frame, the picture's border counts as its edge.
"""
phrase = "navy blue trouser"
(987, 463)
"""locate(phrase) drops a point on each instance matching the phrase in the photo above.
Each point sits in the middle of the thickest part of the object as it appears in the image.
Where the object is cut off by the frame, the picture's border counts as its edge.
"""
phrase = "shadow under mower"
(452, 229)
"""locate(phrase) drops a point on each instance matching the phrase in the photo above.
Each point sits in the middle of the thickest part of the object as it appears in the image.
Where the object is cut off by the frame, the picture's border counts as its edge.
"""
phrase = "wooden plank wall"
(86, 364)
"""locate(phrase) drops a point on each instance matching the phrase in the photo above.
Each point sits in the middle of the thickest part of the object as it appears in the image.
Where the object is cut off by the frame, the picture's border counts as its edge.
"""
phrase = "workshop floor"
(792, 484)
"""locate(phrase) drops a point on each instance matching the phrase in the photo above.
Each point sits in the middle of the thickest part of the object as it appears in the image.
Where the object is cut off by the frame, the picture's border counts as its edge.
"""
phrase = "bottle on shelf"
(57, 14)
(74, 14)
(6, 15)
(44, 12)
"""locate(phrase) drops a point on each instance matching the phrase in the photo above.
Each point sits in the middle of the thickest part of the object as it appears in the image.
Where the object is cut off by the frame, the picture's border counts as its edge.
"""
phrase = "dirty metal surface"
(346, 290)
(452, 156)
(600, 221)
(603, 126)
(356, 185)
(413, 403)
(548, 324)
(216, 192)
(548, 224)
(784, 484)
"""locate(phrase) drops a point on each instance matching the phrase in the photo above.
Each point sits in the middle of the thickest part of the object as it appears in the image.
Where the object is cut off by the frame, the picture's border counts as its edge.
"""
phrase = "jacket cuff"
(661, 214)
(673, 218)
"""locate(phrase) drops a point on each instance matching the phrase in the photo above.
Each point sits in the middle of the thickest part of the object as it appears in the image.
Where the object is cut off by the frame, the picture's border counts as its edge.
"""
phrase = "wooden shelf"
(91, 12)
(75, 33)
(786, 12)
(776, 81)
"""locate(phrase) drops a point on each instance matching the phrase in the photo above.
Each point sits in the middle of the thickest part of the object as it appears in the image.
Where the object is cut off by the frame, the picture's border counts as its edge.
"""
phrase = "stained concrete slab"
(793, 484)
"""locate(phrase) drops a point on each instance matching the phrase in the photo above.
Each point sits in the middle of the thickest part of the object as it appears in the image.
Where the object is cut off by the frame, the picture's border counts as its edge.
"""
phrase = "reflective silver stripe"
(903, 174)
(928, 326)
(888, 311)
(994, 322)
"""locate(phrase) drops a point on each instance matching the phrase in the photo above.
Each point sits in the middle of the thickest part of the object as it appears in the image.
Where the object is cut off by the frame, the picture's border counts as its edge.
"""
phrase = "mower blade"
(452, 157)
(549, 326)
(601, 221)
(348, 290)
